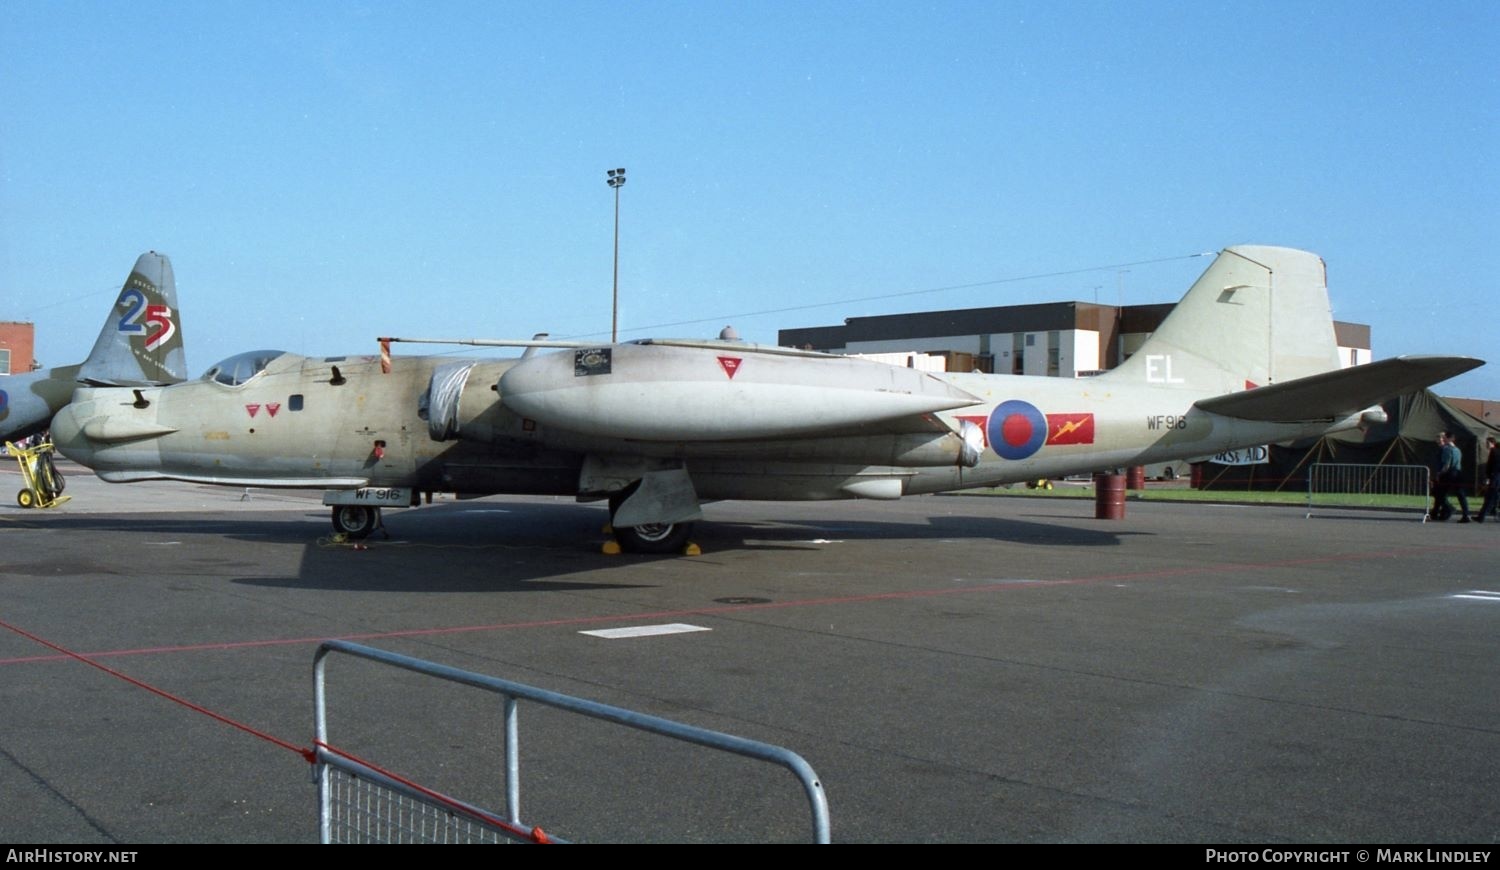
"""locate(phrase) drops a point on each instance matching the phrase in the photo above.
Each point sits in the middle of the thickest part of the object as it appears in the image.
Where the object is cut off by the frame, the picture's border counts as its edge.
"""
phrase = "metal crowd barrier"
(1393, 486)
(359, 803)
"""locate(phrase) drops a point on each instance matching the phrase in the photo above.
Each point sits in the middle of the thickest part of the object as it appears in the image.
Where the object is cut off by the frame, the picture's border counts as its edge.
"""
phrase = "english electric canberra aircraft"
(657, 426)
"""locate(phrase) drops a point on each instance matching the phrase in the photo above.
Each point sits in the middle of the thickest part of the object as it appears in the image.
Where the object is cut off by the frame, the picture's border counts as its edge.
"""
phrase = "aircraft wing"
(1332, 395)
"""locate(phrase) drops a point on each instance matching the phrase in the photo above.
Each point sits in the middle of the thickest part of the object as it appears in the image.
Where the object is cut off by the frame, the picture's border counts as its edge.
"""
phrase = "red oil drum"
(1109, 496)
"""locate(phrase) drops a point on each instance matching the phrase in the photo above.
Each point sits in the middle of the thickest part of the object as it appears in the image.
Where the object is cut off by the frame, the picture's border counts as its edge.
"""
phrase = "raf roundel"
(1016, 429)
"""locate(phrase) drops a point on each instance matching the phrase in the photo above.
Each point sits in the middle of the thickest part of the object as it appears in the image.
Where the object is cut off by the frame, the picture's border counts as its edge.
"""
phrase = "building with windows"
(17, 344)
(1060, 339)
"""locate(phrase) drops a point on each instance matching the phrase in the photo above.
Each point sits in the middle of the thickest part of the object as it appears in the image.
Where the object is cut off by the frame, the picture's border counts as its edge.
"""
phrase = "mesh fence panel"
(362, 810)
(1393, 486)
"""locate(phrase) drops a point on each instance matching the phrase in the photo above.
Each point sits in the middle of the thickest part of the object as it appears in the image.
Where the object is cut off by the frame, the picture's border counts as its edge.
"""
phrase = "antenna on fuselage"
(531, 351)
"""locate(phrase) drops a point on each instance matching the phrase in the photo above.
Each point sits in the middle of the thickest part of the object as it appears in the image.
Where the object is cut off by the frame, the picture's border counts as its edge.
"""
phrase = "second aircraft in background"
(139, 345)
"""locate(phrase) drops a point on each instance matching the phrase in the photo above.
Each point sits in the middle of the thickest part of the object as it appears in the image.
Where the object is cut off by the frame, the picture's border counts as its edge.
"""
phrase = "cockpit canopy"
(241, 367)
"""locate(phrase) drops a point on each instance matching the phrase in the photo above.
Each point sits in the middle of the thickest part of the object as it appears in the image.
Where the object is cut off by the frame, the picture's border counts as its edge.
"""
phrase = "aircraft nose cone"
(526, 386)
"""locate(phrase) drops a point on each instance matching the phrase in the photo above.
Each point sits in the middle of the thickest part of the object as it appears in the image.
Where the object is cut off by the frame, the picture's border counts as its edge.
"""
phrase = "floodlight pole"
(616, 180)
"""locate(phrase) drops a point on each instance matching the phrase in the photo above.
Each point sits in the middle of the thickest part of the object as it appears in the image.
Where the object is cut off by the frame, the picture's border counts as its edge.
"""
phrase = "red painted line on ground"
(307, 754)
(1155, 574)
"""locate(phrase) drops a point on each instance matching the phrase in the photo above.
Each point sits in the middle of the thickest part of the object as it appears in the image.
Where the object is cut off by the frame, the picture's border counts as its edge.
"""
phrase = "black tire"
(355, 521)
(655, 538)
(26, 498)
(48, 479)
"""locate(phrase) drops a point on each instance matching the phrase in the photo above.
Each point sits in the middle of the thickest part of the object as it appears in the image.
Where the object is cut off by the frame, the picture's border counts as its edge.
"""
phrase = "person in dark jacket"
(1449, 478)
(1491, 480)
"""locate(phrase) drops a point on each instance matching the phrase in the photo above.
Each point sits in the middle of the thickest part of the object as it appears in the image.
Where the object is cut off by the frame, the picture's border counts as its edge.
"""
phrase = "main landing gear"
(651, 538)
(356, 521)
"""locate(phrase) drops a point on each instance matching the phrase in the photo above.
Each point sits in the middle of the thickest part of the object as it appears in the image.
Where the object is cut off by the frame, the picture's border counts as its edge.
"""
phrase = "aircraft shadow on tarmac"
(578, 528)
(781, 535)
(498, 546)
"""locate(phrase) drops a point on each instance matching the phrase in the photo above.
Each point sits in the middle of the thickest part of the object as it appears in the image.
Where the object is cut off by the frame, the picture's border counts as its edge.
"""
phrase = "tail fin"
(141, 342)
(1257, 316)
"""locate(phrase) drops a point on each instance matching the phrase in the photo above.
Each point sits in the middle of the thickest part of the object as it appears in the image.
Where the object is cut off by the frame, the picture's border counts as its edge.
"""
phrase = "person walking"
(1449, 478)
(1491, 480)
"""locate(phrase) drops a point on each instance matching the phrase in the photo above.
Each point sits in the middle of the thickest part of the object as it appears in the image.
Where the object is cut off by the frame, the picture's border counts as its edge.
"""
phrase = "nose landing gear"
(356, 521)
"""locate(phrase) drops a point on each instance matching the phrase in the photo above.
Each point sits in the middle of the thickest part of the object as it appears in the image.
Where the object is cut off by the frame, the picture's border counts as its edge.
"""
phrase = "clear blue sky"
(323, 173)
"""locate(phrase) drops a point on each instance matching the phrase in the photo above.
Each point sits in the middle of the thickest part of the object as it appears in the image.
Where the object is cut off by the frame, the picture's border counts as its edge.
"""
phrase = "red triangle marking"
(252, 407)
(730, 364)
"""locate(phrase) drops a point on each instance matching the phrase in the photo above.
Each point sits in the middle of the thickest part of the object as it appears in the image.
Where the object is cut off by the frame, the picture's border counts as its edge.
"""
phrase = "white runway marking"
(645, 630)
(1478, 595)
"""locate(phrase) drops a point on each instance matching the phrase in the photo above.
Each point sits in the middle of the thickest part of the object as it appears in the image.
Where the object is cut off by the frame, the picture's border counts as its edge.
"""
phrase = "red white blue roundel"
(1016, 429)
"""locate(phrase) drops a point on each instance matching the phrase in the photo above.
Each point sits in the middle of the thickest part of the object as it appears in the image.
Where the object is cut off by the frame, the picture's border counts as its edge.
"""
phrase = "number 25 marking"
(159, 317)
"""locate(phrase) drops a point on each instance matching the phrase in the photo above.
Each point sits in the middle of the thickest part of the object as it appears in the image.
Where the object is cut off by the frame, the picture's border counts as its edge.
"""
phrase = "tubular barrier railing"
(359, 802)
(1393, 486)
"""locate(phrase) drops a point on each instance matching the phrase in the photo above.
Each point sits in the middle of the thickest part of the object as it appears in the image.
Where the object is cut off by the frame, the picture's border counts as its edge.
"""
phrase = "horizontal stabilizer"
(1333, 395)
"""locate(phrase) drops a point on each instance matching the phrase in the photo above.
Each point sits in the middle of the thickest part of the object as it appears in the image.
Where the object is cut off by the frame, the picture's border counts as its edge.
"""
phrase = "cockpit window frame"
(242, 368)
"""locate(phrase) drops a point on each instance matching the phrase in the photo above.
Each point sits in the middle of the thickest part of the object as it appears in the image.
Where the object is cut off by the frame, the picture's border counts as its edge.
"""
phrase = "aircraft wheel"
(654, 537)
(27, 499)
(355, 521)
